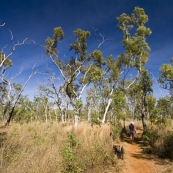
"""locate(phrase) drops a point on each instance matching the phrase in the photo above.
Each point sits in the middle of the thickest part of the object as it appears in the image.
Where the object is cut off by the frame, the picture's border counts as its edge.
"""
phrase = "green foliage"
(95, 74)
(166, 78)
(136, 47)
(78, 103)
(145, 82)
(118, 105)
(98, 58)
(119, 99)
(72, 140)
(160, 142)
(98, 154)
(70, 161)
(113, 68)
(166, 146)
(154, 116)
(163, 121)
(151, 101)
(80, 46)
(165, 107)
(167, 71)
(151, 136)
(116, 129)
(7, 63)
(51, 44)
(95, 120)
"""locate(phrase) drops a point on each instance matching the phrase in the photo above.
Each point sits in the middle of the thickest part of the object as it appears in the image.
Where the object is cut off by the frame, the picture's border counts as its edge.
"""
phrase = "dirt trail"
(135, 161)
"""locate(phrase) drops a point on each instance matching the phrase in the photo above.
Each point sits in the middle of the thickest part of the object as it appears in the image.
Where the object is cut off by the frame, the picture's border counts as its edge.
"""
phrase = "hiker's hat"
(132, 122)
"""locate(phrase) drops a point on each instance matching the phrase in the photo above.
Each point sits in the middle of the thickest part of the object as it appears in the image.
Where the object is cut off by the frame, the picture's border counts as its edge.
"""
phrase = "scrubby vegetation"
(159, 140)
(40, 147)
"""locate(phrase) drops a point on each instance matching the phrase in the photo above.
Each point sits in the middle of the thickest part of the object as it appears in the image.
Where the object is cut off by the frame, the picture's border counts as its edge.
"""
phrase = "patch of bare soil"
(135, 161)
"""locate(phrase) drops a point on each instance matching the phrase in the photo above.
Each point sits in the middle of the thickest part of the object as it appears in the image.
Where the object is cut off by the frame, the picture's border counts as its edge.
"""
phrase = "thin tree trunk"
(106, 110)
(143, 110)
(46, 113)
(62, 117)
(89, 113)
(20, 93)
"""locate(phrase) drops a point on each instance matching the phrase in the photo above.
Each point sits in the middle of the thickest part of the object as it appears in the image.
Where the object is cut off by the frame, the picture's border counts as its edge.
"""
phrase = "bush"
(159, 141)
(150, 136)
(166, 147)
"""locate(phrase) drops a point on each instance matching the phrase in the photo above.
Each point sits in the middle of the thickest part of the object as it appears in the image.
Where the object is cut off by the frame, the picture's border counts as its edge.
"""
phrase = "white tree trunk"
(106, 110)
(62, 117)
(76, 119)
(89, 113)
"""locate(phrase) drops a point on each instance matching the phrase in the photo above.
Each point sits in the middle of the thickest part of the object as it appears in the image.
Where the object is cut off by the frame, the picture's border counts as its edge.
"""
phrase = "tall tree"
(136, 51)
(166, 78)
(145, 86)
(79, 70)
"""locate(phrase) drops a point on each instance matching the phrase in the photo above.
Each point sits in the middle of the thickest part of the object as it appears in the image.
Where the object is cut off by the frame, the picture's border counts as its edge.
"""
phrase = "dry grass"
(39, 147)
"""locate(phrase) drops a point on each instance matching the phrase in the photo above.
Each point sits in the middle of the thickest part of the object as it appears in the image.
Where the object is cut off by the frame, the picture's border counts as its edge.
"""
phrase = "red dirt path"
(135, 161)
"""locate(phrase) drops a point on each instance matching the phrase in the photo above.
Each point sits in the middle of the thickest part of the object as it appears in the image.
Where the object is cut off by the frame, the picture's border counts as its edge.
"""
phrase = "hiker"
(132, 131)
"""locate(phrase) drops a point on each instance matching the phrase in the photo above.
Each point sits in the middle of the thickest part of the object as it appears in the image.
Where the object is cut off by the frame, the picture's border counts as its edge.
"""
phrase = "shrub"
(150, 136)
(165, 147)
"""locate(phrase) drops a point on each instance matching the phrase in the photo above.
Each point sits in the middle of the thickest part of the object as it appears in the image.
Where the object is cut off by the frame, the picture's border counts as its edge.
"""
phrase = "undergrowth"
(55, 148)
(159, 141)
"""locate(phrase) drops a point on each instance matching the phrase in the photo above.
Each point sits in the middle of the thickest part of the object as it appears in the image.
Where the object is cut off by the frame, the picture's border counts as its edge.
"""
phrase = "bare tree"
(33, 73)
(3, 56)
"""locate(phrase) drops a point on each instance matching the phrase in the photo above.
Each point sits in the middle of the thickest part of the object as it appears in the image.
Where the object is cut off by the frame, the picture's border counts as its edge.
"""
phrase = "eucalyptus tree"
(166, 78)
(12, 92)
(24, 111)
(140, 96)
(38, 108)
(145, 86)
(93, 100)
(59, 96)
(45, 101)
(119, 105)
(151, 105)
(165, 107)
(133, 96)
(136, 51)
(19, 93)
(5, 64)
(79, 70)
(8, 96)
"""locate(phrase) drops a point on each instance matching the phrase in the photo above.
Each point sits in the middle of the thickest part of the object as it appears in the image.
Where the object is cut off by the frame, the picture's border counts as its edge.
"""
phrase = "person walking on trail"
(132, 131)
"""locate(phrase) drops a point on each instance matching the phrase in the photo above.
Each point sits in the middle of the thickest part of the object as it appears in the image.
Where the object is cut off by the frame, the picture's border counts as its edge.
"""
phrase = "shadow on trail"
(143, 156)
(125, 137)
(152, 157)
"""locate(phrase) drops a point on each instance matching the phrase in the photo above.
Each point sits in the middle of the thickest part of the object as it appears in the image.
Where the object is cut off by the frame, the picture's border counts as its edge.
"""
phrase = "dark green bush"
(150, 136)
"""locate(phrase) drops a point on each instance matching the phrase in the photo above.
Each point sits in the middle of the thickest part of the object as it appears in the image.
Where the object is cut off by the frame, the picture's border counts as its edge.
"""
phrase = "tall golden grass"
(47, 148)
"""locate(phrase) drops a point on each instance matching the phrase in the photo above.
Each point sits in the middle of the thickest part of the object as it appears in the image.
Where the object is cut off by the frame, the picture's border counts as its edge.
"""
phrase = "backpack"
(131, 127)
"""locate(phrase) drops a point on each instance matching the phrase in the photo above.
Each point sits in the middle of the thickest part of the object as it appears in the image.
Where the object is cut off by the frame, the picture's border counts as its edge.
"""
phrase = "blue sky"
(35, 19)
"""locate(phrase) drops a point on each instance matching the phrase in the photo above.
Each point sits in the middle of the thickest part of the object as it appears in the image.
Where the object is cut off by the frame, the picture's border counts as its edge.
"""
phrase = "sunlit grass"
(39, 147)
